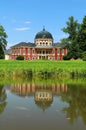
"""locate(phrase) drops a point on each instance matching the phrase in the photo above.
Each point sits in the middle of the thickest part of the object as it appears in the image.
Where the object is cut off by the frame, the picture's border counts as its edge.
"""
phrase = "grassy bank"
(42, 69)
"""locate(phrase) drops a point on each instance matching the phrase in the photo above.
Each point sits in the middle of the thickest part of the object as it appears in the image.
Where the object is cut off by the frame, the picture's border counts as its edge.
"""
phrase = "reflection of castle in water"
(43, 94)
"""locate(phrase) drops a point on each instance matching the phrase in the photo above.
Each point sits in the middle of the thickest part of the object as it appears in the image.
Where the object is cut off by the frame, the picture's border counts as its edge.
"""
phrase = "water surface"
(42, 106)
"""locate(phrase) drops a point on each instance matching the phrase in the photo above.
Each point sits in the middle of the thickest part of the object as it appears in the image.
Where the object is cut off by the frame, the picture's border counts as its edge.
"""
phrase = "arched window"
(46, 43)
(43, 43)
(43, 52)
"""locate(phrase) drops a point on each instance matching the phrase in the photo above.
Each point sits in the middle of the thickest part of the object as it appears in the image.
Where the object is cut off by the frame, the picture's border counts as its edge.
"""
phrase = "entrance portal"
(43, 57)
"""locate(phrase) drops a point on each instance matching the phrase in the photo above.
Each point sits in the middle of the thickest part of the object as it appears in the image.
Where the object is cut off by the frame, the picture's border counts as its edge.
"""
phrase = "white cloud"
(22, 29)
(27, 22)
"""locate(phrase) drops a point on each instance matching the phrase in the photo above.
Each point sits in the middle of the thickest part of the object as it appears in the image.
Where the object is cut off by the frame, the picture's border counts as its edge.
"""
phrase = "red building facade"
(42, 48)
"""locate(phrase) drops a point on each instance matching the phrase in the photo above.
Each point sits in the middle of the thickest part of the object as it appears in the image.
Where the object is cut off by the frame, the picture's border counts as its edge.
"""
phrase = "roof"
(43, 104)
(44, 34)
(8, 51)
(57, 45)
(29, 44)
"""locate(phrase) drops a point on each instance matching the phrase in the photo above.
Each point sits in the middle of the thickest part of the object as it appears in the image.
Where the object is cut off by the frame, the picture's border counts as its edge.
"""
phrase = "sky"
(23, 19)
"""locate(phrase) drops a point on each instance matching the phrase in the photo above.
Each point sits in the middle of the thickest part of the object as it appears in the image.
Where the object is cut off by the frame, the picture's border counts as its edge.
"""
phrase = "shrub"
(20, 57)
(66, 57)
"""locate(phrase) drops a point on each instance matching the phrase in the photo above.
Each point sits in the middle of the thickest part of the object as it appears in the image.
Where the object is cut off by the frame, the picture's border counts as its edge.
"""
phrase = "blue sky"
(22, 19)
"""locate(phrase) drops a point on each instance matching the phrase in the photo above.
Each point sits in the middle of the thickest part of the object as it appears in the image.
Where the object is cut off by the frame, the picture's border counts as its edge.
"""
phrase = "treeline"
(76, 39)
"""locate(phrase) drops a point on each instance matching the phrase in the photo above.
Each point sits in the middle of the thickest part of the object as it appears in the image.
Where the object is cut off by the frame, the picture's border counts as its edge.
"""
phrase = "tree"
(3, 42)
(70, 42)
(72, 28)
(84, 55)
(1, 53)
(82, 35)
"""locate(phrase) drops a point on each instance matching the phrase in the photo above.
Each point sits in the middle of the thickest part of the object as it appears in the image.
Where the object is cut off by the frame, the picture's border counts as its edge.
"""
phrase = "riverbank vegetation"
(42, 69)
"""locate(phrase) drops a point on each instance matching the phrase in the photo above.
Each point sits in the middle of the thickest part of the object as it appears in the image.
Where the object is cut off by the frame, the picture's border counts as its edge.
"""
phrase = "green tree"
(72, 29)
(70, 42)
(82, 35)
(3, 42)
(1, 53)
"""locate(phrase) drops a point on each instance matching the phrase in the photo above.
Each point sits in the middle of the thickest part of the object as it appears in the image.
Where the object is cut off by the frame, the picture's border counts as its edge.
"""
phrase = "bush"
(84, 56)
(66, 57)
(20, 57)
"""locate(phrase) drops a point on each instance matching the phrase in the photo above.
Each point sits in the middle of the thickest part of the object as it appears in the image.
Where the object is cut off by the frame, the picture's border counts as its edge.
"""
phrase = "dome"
(43, 34)
(43, 104)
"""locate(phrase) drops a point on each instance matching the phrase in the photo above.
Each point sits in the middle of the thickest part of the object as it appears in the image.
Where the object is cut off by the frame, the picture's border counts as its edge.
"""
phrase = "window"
(43, 52)
(46, 43)
(58, 51)
(40, 43)
(28, 51)
(23, 50)
(18, 50)
(13, 51)
(33, 51)
(43, 43)
(47, 52)
(62, 51)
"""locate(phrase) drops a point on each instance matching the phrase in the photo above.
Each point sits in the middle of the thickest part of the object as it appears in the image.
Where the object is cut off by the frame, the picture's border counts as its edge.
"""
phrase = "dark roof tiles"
(43, 34)
(24, 44)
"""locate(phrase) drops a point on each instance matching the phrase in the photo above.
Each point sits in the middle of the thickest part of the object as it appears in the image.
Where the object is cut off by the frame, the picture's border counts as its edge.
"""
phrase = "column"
(55, 53)
(65, 51)
(21, 50)
(26, 53)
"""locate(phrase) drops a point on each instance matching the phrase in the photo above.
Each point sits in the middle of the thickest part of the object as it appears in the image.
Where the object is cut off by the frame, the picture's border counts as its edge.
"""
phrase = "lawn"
(73, 67)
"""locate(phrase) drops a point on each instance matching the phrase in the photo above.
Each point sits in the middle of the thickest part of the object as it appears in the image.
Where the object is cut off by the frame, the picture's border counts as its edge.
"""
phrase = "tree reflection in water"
(3, 97)
(76, 98)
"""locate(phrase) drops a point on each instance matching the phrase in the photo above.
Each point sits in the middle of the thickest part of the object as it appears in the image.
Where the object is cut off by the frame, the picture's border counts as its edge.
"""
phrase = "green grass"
(41, 68)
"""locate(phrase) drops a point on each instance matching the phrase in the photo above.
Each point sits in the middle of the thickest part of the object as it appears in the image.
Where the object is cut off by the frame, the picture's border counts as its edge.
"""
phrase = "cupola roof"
(43, 34)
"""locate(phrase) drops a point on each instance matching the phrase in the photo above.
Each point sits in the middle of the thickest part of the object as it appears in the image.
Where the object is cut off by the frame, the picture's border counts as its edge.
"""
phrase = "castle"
(42, 48)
